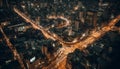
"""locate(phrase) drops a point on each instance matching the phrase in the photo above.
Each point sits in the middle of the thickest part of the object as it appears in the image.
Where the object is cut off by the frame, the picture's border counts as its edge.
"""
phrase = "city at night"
(59, 34)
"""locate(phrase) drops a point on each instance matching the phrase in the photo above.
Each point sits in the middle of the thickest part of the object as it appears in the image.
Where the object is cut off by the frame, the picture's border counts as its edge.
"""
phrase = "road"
(45, 31)
(13, 49)
(61, 25)
(60, 60)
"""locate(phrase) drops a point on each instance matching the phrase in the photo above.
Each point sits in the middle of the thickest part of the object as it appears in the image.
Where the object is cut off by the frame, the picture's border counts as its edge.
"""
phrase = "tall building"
(76, 25)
